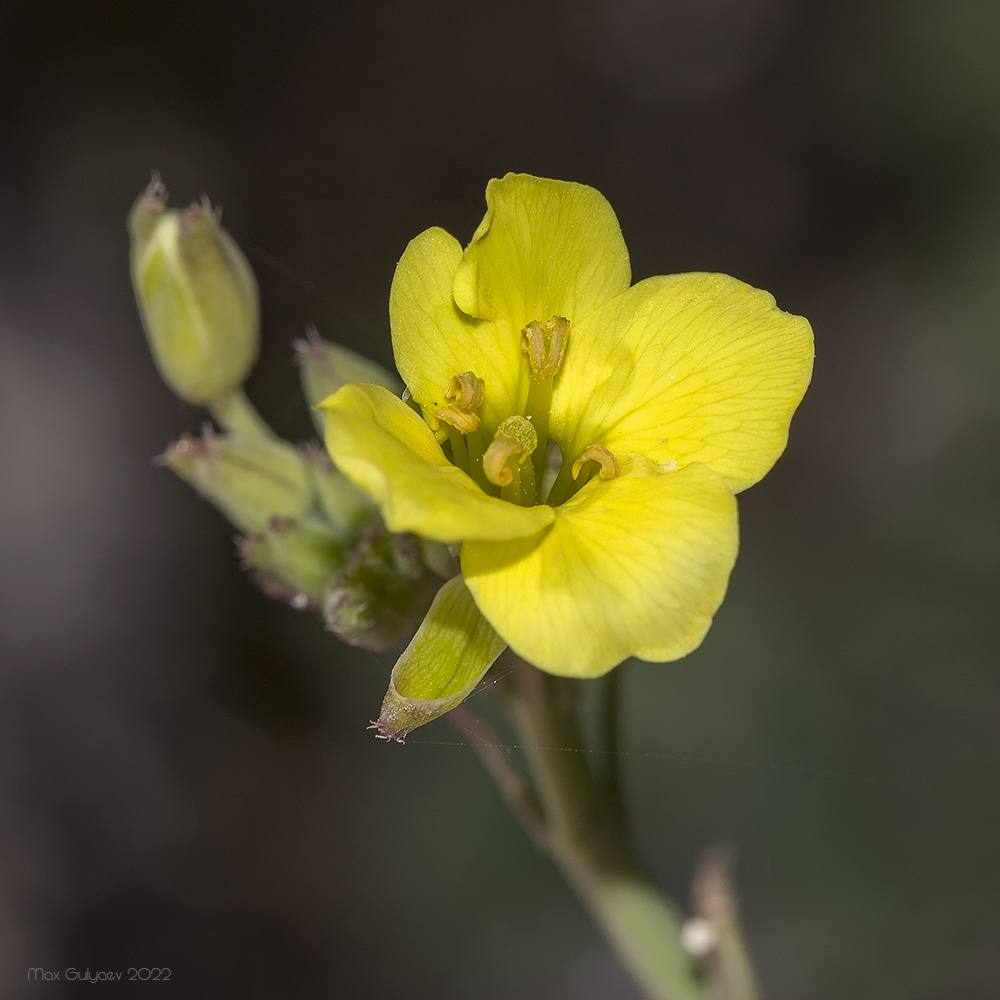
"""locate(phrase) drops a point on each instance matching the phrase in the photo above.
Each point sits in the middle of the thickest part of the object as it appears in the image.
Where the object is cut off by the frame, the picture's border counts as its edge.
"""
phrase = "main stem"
(587, 838)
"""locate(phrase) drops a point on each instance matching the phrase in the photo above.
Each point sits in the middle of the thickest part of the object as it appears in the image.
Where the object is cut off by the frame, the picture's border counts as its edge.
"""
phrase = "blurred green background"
(184, 768)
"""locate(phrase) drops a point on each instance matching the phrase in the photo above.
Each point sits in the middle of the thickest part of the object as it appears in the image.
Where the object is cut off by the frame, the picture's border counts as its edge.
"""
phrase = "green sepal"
(251, 480)
(445, 660)
(325, 367)
(346, 509)
(293, 561)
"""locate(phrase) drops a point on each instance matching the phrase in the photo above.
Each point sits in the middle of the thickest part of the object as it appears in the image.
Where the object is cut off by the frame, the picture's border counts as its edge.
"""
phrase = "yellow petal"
(635, 566)
(433, 340)
(443, 663)
(545, 248)
(687, 368)
(385, 449)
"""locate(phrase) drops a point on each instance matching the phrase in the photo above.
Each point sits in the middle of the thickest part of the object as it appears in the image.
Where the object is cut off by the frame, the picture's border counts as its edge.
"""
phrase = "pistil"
(545, 345)
(505, 462)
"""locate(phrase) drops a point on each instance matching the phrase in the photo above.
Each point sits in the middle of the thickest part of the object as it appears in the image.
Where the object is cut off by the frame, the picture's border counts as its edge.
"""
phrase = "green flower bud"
(196, 294)
(381, 594)
(326, 367)
(347, 510)
(250, 480)
(293, 560)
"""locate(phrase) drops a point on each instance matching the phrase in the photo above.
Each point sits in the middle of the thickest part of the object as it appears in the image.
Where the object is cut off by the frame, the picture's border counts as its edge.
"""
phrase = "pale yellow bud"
(197, 297)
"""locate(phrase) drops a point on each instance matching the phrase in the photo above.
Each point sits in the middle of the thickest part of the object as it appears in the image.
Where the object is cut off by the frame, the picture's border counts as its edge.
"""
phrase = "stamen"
(597, 453)
(545, 345)
(514, 441)
(466, 391)
(462, 420)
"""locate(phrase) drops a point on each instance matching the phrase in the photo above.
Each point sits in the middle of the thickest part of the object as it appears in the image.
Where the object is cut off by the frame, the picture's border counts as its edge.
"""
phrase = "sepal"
(251, 480)
(346, 509)
(439, 669)
(325, 367)
(293, 561)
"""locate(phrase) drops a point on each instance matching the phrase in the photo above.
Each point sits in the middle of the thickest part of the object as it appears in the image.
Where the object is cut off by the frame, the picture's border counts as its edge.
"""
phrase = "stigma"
(513, 442)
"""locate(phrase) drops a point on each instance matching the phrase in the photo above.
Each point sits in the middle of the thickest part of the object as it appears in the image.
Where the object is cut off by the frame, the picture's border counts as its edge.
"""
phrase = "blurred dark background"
(185, 776)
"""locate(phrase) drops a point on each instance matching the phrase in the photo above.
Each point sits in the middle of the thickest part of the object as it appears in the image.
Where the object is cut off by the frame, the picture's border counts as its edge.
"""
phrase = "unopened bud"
(196, 294)
(325, 367)
(293, 560)
(346, 509)
(381, 594)
(248, 479)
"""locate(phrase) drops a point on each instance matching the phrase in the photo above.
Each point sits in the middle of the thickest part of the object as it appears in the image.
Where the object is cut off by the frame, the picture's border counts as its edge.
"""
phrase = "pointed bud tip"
(309, 348)
(386, 734)
(180, 454)
(146, 209)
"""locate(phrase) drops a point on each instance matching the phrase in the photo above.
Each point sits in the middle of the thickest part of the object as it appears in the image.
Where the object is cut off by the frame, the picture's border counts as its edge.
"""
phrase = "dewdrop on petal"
(197, 297)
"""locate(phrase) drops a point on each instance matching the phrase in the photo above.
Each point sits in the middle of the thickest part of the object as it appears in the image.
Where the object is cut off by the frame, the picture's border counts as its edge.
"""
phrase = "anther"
(514, 441)
(463, 421)
(597, 453)
(466, 391)
(545, 345)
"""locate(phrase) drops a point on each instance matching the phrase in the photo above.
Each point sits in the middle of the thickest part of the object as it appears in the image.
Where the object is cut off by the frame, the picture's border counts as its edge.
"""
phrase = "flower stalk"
(234, 412)
(585, 834)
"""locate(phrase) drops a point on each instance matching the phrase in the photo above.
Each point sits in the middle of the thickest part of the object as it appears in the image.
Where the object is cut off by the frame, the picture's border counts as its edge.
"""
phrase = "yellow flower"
(664, 398)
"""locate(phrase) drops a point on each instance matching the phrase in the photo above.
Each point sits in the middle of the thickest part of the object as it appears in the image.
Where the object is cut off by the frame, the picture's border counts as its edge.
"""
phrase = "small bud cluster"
(308, 535)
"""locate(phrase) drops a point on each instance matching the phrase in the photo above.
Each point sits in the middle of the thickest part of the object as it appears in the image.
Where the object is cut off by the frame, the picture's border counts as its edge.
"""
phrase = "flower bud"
(324, 368)
(249, 479)
(196, 294)
(381, 594)
(293, 560)
(346, 509)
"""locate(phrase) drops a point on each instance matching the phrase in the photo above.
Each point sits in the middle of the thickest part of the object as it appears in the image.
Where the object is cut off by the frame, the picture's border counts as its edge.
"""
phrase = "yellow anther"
(514, 441)
(597, 453)
(462, 420)
(466, 391)
(545, 345)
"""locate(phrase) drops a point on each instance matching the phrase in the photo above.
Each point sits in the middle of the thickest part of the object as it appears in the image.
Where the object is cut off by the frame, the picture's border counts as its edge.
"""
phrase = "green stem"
(610, 723)
(237, 415)
(590, 844)
(459, 451)
(536, 409)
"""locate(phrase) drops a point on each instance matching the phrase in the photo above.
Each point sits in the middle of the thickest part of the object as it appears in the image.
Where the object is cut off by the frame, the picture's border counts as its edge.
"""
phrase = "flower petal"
(635, 566)
(545, 248)
(385, 449)
(433, 340)
(687, 368)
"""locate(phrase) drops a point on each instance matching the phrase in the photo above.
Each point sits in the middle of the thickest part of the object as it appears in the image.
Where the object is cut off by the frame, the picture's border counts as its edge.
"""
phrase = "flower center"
(504, 464)
(505, 460)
